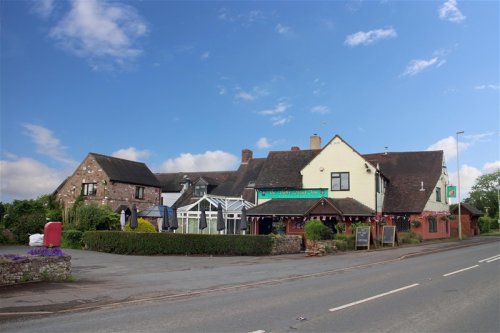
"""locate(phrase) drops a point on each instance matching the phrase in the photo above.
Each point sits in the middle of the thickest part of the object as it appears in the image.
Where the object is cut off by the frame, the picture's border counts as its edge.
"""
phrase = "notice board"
(363, 237)
(389, 235)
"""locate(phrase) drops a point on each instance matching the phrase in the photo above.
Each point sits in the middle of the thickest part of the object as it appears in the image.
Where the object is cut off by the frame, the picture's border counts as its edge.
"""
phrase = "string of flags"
(375, 219)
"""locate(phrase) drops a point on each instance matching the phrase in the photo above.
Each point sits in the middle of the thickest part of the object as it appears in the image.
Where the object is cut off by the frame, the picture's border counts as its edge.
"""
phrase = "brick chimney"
(295, 148)
(246, 155)
(315, 142)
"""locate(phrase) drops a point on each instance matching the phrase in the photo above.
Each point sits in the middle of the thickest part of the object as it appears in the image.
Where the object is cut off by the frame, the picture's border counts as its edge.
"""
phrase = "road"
(451, 291)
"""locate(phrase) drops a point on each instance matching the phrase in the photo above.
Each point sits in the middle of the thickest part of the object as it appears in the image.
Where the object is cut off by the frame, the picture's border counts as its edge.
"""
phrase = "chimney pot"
(246, 155)
(295, 148)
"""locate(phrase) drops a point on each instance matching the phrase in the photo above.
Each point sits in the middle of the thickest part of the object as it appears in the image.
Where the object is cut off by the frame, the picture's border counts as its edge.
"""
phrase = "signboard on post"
(452, 191)
(389, 235)
(363, 237)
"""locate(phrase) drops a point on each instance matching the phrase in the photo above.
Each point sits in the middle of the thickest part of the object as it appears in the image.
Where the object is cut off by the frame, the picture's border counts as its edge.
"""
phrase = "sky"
(186, 85)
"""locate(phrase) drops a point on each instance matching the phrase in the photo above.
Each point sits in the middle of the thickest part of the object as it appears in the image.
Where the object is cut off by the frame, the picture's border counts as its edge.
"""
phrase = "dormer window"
(200, 188)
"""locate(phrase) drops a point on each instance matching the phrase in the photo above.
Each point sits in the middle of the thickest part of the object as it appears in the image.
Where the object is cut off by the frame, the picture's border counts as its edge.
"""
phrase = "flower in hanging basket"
(415, 223)
(431, 218)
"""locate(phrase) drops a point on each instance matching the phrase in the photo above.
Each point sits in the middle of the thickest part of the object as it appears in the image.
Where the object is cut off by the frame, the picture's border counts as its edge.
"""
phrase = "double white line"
(490, 259)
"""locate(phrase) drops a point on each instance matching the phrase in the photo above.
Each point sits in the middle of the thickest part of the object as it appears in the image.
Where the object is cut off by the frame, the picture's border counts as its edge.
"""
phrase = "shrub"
(315, 230)
(348, 240)
(409, 238)
(139, 243)
(143, 225)
(93, 217)
(72, 239)
(485, 224)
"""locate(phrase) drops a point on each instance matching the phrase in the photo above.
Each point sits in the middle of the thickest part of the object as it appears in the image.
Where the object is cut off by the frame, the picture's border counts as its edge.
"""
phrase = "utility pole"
(458, 191)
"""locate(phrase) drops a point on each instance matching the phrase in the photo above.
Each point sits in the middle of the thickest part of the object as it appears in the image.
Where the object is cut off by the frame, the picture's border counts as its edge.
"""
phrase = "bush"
(72, 239)
(348, 240)
(485, 224)
(93, 217)
(138, 243)
(409, 238)
(143, 225)
(315, 230)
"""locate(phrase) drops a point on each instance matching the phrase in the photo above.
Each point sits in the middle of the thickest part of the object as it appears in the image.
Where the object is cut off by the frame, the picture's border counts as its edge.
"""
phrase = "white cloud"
(280, 121)
(103, 33)
(449, 11)
(222, 89)
(491, 167)
(449, 146)
(282, 29)
(245, 96)
(47, 144)
(248, 96)
(131, 154)
(417, 66)
(468, 176)
(26, 178)
(205, 56)
(246, 19)
(321, 109)
(487, 86)
(209, 161)
(369, 37)
(279, 108)
(44, 8)
(263, 143)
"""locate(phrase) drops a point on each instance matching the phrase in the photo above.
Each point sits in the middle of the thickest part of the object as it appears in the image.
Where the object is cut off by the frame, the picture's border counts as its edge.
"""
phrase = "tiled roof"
(221, 183)
(465, 206)
(350, 206)
(406, 171)
(301, 207)
(282, 168)
(172, 182)
(125, 171)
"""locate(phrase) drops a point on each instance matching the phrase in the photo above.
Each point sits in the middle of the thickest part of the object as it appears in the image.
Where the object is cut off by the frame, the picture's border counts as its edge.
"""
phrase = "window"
(200, 190)
(438, 194)
(340, 181)
(139, 192)
(89, 189)
(432, 225)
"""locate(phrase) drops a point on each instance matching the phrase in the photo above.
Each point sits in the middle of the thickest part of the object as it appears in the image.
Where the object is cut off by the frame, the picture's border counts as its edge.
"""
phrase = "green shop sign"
(310, 193)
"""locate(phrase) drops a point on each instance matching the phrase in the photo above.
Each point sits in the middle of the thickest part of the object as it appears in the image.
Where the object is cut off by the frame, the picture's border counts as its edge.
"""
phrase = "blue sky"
(185, 86)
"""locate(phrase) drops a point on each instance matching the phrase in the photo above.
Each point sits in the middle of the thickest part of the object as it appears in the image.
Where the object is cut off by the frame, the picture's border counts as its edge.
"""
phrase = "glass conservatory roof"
(229, 204)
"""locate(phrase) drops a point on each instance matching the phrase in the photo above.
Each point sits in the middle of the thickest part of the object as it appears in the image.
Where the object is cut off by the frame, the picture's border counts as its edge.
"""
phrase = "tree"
(484, 193)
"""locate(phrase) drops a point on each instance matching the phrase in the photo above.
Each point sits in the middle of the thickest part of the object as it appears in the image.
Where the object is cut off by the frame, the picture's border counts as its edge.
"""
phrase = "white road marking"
(461, 270)
(373, 297)
(491, 258)
(259, 331)
(494, 259)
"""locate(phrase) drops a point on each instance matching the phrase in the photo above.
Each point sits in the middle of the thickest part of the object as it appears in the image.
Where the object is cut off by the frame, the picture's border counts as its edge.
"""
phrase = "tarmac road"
(103, 280)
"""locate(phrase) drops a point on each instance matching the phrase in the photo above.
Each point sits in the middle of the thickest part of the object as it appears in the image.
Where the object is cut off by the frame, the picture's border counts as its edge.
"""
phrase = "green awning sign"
(452, 191)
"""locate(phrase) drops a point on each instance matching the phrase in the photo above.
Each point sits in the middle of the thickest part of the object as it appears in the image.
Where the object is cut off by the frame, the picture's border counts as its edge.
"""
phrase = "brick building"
(110, 181)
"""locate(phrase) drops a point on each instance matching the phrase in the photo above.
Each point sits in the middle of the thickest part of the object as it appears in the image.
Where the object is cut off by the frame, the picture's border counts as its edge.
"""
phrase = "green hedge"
(71, 239)
(171, 243)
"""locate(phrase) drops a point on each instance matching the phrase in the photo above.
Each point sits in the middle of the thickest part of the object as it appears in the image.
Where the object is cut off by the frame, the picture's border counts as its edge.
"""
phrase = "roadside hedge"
(137, 243)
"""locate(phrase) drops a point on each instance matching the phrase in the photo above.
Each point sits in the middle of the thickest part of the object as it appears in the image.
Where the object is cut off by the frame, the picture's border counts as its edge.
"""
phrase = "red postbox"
(52, 234)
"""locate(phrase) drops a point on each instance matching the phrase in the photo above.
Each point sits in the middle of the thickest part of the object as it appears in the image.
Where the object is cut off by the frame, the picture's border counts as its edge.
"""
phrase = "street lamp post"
(458, 191)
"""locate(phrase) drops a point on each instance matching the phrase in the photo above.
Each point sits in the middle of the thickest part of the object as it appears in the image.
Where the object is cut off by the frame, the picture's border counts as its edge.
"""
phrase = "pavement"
(103, 279)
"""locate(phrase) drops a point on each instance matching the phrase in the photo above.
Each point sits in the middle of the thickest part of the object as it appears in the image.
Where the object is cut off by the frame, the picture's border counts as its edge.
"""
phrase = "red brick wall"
(470, 226)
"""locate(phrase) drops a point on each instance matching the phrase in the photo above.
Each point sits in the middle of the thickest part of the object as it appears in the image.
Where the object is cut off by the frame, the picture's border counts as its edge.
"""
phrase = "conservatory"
(189, 216)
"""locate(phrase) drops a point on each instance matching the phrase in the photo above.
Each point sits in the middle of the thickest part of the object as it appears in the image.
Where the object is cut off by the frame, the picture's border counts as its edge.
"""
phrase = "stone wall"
(320, 248)
(286, 244)
(35, 268)
(112, 194)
